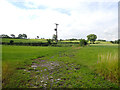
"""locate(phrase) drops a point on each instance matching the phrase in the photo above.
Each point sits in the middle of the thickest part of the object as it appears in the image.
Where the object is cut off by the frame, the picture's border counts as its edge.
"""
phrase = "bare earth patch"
(42, 73)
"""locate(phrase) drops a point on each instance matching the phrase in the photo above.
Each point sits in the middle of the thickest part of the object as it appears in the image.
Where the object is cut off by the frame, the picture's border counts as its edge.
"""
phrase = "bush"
(61, 40)
(83, 42)
(11, 41)
(49, 41)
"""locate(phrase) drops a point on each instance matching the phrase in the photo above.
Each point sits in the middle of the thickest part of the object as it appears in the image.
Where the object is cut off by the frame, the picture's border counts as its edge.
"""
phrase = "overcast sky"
(76, 18)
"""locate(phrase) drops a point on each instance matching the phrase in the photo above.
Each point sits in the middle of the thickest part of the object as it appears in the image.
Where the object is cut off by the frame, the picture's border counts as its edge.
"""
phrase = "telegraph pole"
(56, 32)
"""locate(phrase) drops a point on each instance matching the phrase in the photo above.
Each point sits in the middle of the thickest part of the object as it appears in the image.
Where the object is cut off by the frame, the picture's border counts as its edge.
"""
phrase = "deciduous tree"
(12, 35)
(92, 38)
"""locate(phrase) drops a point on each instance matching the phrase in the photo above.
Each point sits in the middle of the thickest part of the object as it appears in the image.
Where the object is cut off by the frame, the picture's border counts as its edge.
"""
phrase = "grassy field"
(14, 55)
(24, 40)
(58, 67)
(44, 40)
(70, 41)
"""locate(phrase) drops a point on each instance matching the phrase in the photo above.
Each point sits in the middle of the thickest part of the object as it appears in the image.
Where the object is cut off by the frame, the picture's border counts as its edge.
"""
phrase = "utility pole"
(56, 32)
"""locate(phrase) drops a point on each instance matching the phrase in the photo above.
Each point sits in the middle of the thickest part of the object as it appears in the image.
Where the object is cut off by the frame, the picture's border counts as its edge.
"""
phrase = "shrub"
(61, 40)
(49, 41)
(112, 41)
(11, 41)
(83, 42)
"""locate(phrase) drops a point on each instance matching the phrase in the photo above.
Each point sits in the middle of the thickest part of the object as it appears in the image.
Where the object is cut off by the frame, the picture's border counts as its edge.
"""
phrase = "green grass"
(77, 66)
(24, 40)
(107, 66)
(21, 53)
(12, 56)
(89, 55)
(70, 41)
(101, 42)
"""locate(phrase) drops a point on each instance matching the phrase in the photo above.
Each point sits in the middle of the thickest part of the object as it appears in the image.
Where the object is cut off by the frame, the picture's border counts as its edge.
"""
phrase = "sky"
(76, 18)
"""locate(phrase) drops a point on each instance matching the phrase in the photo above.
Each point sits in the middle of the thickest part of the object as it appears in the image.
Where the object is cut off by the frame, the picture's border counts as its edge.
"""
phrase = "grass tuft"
(107, 66)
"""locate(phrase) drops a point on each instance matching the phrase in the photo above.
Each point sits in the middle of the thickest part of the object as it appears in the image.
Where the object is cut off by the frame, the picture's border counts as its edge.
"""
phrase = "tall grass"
(7, 71)
(107, 66)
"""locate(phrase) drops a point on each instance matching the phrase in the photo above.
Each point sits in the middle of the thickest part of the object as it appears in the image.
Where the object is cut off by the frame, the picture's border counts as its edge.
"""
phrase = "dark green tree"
(24, 36)
(20, 36)
(92, 38)
(61, 40)
(4, 36)
(12, 35)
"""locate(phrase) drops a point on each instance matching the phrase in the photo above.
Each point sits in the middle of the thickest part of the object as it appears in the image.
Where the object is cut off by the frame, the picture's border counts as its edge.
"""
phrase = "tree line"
(20, 36)
(90, 38)
(116, 41)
